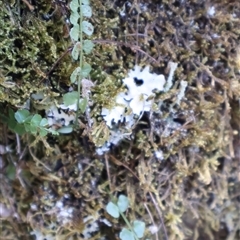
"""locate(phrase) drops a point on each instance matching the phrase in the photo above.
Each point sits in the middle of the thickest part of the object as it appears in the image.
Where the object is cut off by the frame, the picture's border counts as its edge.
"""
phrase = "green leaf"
(43, 132)
(87, 11)
(112, 210)
(74, 18)
(75, 74)
(11, 114)
(139, 228)
(21, 115)
(53, 132)
(11, 121)
(31, 128)
(83, 104)
(12, 118)
(88, 46)
(19, 129)
(65, 130)
(126, 234)
(36, 119)
(85, 2)
(11, 171)
(28, 119)
(74, 32)
(4, 119)
(74, 4)
(44, 122)
(87, 28)
(70, 98)
(86, 69)
(12, 124)
(123, 203)
(76, 50)
(27, 127)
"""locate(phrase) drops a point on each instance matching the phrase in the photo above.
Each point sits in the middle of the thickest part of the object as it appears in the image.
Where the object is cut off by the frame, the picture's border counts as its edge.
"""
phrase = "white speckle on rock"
(183, 85)
(59, 117)
(159, 154)
(211, 11)
(153, 229)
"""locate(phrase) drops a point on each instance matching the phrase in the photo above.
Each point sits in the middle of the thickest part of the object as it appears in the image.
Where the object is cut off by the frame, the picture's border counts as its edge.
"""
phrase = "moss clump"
(29, 47)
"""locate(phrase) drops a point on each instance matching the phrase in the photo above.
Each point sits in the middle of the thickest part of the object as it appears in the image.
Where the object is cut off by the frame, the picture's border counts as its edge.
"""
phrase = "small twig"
(209, 72)
(235, 195)
(160, 215)
(38, 161)
(117, 162)
(55, 64)
(135, 34)
(18, 144)
(22, 153)
(133, 47)
(151, 217)
(11, 15)
(108, 172)
(139, 11)
(31, 7)
(79, 78)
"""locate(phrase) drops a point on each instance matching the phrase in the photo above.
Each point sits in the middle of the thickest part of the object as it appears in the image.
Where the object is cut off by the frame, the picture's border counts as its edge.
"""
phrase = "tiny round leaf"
(74, 32)
(65, 130)
(83, 104)
(112, 209)
(43, 132)
(88, 46)
(75, 74)
(87, 28)
(74, 18)
(87, 11)
(85, 70)
(125, 234)
(44, 122)
(19, 129)
(76, 50)
(21, 115)
(70, 98)
(123, 203)
(85, 2)
(36, 119)
(139, 228)
(74, 4)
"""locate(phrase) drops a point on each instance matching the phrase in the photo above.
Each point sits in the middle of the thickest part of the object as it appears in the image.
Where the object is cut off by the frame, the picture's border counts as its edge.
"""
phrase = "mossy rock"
(191, 190)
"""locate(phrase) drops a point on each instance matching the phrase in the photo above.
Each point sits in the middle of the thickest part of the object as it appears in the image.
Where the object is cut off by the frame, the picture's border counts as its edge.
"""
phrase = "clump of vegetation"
(116, 209)
(79, 11)
(22, 122)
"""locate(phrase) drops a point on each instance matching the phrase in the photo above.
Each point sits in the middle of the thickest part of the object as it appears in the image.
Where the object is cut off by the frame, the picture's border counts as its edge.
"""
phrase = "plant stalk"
(80, 59)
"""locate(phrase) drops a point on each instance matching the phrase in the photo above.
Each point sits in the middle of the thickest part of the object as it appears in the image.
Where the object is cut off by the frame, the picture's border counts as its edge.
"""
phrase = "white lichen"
(211, 11)
(116, 136)
(159, 154)
(138, 98)
(40, 236)
(57, 116)
(91, 226)
(140, 85)
(183, 85)
(173, 67)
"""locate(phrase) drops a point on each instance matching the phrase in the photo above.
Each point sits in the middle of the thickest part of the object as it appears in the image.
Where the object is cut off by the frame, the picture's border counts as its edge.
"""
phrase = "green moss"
(29, 47)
